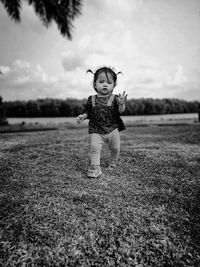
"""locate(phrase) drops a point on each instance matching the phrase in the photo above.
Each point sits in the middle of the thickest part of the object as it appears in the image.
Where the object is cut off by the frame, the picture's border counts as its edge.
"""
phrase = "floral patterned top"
(103, 114)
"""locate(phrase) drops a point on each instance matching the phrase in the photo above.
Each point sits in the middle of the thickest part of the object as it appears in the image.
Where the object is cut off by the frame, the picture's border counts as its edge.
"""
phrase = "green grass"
(144, 213)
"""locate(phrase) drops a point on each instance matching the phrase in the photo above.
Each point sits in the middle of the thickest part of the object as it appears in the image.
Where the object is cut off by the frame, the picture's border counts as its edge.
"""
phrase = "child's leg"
(114, 144)
(95, 149)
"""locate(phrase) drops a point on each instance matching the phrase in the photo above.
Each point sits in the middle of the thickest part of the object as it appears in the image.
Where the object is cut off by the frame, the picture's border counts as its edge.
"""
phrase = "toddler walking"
(103, 111)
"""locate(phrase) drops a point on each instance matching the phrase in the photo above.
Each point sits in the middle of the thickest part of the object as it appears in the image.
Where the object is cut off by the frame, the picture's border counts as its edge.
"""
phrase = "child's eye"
(103, 81)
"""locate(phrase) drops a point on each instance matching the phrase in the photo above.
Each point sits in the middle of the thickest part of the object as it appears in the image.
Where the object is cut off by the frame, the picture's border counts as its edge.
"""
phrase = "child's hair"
(107, 71)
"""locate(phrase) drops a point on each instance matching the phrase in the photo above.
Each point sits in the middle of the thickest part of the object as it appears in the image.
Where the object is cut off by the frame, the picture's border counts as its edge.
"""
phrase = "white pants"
(97, 140)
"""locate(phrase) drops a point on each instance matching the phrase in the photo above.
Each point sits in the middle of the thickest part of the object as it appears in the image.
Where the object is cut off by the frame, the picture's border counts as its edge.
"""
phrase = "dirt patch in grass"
(146, 212)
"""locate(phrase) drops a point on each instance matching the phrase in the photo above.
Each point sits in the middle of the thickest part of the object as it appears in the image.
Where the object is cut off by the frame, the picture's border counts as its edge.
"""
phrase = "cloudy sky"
(155, 43)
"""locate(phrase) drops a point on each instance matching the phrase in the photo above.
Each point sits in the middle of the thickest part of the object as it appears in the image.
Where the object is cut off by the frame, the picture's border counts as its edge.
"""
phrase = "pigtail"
(119, 73)
(90, 71)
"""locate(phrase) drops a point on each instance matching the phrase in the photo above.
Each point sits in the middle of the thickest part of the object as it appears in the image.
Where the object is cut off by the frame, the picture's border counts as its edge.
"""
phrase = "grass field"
(144, 213)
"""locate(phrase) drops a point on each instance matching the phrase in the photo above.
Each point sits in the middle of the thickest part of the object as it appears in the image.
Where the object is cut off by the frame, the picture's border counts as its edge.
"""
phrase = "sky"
(154, 43)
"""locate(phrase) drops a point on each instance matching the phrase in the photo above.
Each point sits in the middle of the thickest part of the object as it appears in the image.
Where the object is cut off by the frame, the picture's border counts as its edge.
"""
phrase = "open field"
(144, 213)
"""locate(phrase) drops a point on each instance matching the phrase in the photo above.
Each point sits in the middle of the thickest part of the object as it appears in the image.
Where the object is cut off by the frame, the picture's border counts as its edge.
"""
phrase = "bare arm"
(86, 113)
(121, 108)
(81, 118)
(121, 100)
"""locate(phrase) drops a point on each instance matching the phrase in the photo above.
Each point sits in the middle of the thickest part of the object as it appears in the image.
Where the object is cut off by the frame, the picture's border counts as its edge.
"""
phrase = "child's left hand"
(121, 99)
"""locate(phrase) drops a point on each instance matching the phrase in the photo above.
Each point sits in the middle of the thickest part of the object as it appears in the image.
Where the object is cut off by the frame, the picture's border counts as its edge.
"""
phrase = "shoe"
(94, 172)
(112, 165)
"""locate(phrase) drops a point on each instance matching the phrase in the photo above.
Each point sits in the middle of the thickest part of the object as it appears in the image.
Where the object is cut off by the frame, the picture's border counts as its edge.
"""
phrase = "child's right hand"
(80, 119)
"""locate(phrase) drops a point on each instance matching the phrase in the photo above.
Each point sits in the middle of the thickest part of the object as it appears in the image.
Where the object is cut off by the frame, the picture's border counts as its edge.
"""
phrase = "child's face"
(104, 84)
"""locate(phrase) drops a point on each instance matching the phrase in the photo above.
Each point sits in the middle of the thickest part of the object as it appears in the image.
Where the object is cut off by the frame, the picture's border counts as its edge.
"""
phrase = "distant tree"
(199, 112)
(72, 107)
(33, 108)
(65, 109)
(3, 119)
(62, 12)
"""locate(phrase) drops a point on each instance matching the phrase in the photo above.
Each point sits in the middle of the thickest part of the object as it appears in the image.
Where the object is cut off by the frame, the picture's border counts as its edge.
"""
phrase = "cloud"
(4, 69)
(156, 81)
(72, 60)
(26, 81)
(23, 80)
(22, 72)
(178, 78)
(144, 40)
(148, 75)
(114, 8)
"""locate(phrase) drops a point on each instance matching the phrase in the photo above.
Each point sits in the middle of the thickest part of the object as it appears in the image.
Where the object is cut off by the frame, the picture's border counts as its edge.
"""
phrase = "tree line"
(72, 107)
